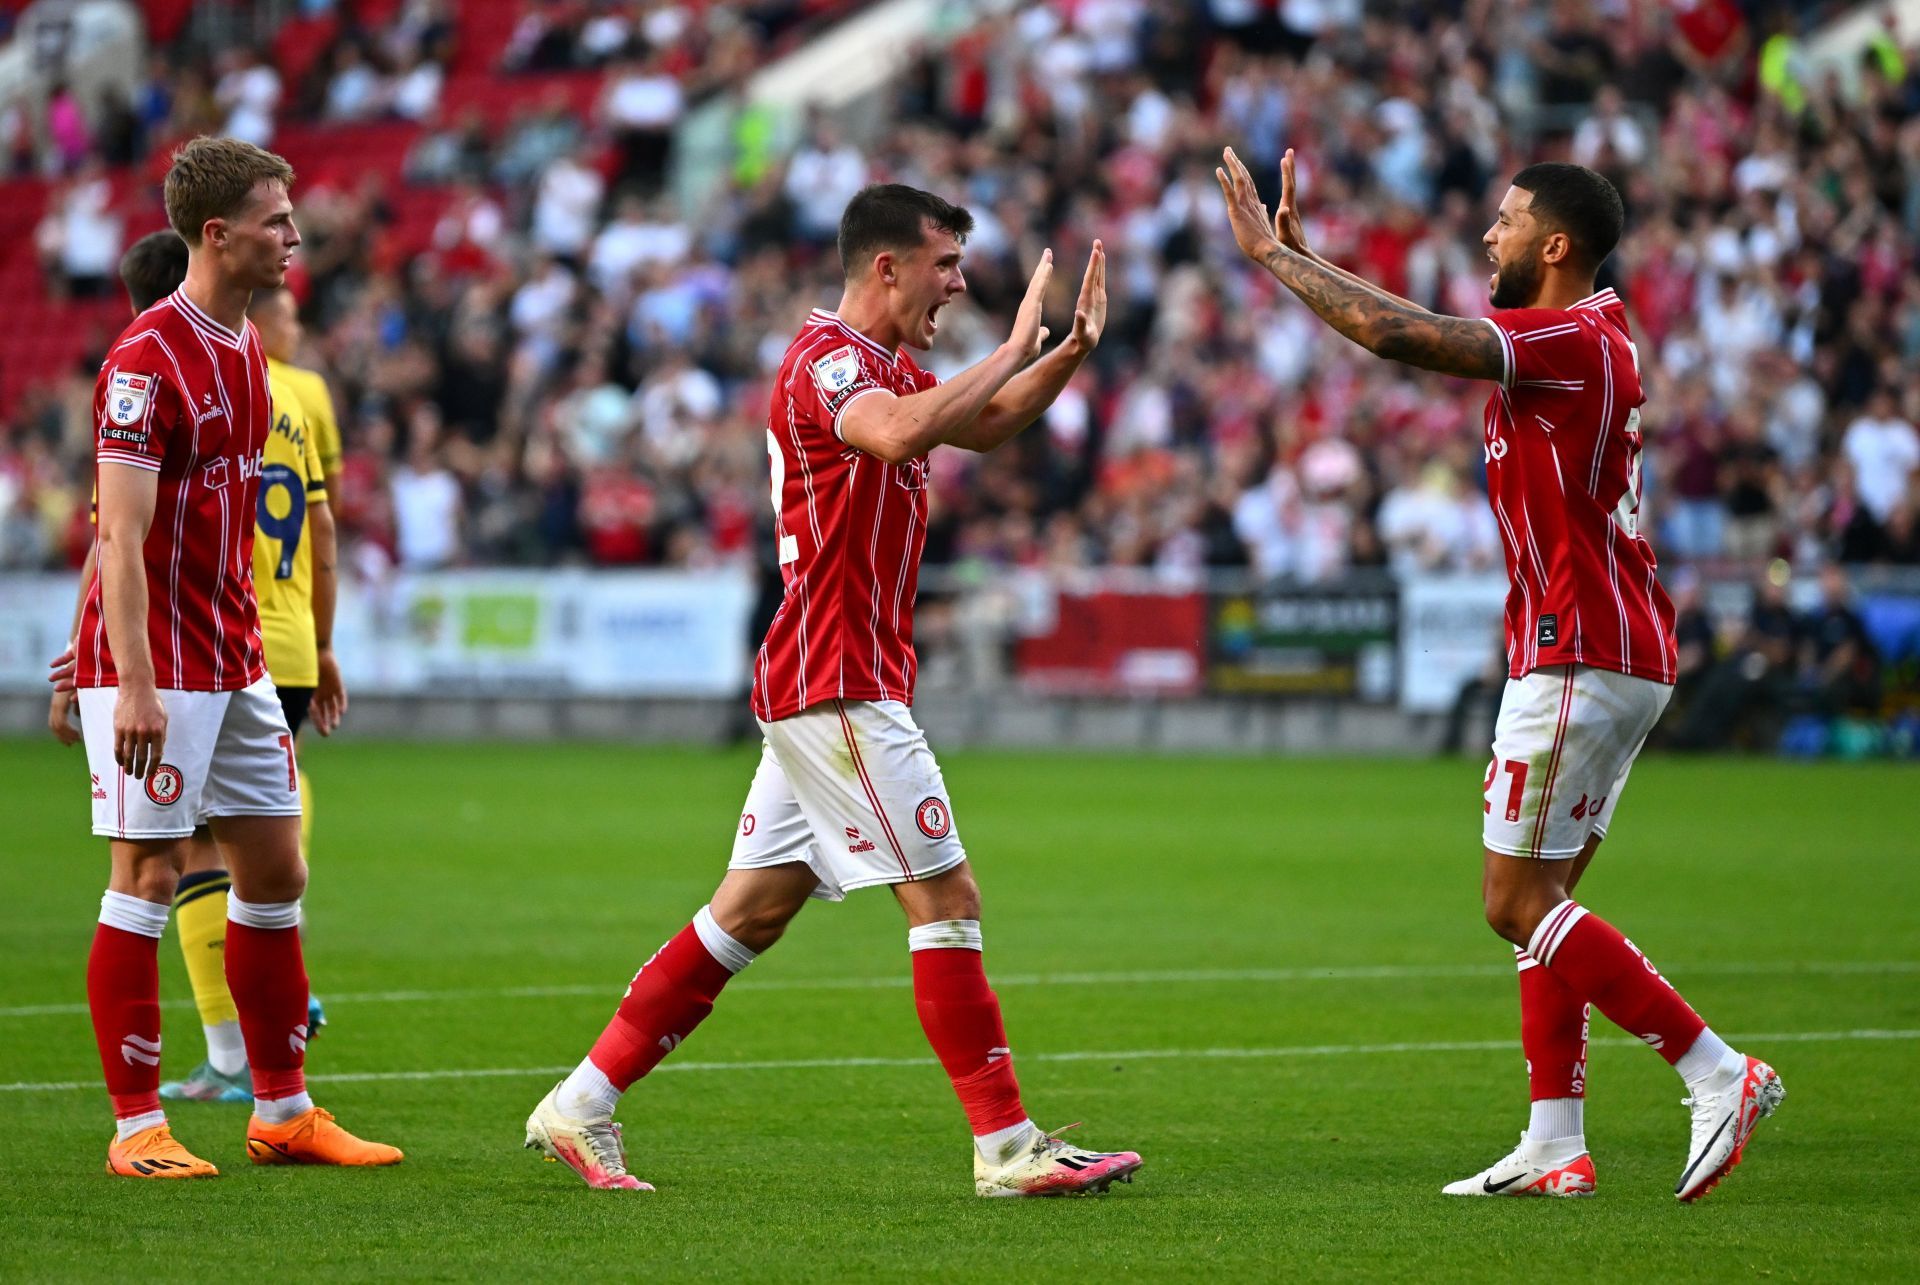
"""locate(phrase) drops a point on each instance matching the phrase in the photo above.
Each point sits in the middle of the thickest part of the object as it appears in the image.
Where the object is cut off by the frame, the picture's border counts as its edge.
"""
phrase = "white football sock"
(281, 1110)
(1556, 1128)
(129, 1125)
(265, 915)
(947, 934)
(587, 1093)
(719, 943)
(226, 1050)
(1709, 1062)
(132, 915)
(1003, 1145)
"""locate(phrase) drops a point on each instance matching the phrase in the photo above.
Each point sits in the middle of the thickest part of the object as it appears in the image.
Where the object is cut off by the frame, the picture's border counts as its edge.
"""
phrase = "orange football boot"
(155, 1153)
(312, 1138)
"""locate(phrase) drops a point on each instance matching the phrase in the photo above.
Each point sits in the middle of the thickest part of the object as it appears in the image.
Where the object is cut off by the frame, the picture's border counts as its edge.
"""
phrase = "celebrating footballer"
(1590, 641)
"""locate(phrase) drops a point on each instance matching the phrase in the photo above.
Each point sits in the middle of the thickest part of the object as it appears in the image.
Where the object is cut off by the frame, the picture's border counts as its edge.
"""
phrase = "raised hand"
(1287, 227)
(1245, 210)
(1090, 311)
(1028, 334)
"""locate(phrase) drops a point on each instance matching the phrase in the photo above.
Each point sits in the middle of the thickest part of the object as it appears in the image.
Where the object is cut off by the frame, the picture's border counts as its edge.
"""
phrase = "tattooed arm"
(1385, 326)
(1382, 323)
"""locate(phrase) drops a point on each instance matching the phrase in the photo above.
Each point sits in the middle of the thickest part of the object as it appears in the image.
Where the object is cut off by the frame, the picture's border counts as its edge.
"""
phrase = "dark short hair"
(153, 267)
(1578, 201)
(893, 216)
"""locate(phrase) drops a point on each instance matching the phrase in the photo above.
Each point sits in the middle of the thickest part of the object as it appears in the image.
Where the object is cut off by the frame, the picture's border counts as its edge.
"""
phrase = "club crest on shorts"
(127, 396)
(163, 784)
(933, 818)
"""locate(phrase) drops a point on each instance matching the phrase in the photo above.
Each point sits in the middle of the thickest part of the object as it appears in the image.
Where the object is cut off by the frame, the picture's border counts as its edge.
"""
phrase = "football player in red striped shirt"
(1590, 640)
(181, 723)
(847, 794)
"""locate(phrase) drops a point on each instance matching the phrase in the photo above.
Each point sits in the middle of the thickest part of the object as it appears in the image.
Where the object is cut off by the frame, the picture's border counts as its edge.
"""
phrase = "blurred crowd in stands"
(572, 363)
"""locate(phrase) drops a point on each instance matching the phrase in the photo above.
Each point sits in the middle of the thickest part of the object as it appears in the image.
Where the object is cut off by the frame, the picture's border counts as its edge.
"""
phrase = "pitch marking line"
(1084, 1055)
(1378, 972)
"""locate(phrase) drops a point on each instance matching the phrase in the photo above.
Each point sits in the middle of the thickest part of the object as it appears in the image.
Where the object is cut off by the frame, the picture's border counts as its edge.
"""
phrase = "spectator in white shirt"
(426, 507)
(825, 174)
(1884, 451)
(642, 103)
(249, 90)
(637, 235)
(565, 206)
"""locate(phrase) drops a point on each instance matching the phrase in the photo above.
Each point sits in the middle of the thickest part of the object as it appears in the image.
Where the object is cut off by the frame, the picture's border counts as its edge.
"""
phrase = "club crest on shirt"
(127, 396)
(837, 371)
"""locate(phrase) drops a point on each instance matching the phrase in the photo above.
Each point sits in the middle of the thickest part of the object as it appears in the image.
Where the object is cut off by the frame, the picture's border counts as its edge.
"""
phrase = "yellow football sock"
(306, 814)
(200, 908)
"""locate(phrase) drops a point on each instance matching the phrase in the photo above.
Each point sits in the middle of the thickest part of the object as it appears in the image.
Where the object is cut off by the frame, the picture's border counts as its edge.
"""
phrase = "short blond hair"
(212, 178)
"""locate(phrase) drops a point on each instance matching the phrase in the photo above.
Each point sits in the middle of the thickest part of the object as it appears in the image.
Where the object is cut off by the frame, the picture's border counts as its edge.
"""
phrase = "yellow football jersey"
(291, 479)
(311, 388)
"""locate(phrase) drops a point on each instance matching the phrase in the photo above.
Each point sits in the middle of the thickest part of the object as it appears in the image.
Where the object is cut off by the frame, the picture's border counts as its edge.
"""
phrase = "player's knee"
(1507, 915)
(155, 881)
(756, 927)
(274, 885)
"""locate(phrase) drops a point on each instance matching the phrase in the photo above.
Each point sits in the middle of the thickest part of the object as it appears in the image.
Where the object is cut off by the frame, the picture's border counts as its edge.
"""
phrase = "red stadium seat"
(499, 96)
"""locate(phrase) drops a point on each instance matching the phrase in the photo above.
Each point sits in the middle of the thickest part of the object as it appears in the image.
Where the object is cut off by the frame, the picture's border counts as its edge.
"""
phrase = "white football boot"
(593, 1149)
(1723, 1120)
(1049, 1166)
(1521, 1174)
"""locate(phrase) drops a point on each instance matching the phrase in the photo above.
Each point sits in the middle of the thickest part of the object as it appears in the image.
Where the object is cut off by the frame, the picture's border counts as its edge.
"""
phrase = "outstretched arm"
(1380, 322)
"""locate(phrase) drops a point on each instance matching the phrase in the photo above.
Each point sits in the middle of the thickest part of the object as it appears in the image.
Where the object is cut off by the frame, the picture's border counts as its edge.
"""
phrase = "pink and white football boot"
(593, 1149)
(1049, 1166)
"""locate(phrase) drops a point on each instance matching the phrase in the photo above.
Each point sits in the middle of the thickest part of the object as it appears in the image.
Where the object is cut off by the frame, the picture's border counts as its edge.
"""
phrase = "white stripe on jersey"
(1547, 332)
(900, 580)
(835, 320)
(226, 504)
(873, 577)
(813, 524)
(179, 512)
(1613, 528)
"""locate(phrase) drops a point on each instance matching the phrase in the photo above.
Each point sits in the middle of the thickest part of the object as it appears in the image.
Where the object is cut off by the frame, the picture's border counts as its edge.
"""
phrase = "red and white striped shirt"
(850, 528)
(184, 397)
(1563, 474)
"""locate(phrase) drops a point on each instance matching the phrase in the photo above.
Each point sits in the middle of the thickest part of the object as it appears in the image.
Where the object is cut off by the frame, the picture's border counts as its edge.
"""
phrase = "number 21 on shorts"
(1517, 790)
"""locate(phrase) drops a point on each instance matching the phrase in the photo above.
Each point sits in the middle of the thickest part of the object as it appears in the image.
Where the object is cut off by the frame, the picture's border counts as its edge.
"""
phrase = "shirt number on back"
(290, 526)
(777, 466)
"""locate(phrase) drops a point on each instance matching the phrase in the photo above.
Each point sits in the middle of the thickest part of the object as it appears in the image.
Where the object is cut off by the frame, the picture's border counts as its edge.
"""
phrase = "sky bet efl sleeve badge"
(837, 371)
(127, 397)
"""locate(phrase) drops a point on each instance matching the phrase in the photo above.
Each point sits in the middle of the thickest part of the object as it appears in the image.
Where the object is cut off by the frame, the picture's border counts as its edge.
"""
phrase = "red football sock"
(267, 977)
(1553, 1033)
(671, 994)
(961, 1016)
(1596, 962)
(123, 994)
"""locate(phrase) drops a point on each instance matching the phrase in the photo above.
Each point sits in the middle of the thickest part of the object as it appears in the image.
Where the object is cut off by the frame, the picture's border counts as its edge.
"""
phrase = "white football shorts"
(226, 754)
(1565, 740)
(851, 789)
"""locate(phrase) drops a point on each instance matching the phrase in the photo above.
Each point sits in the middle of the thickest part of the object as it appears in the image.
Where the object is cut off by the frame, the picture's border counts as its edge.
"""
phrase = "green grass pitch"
(1269, 977)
